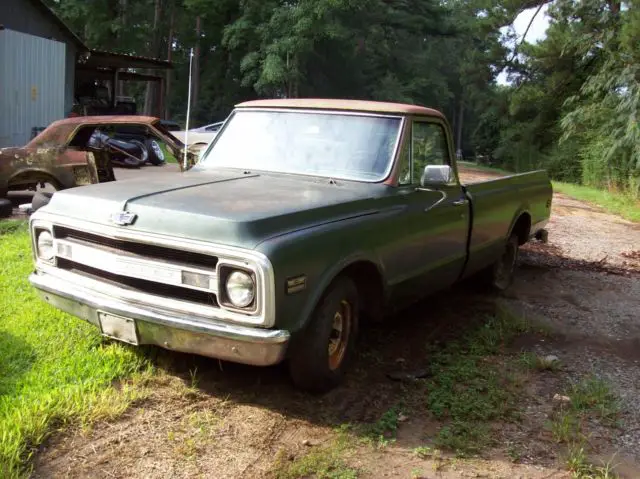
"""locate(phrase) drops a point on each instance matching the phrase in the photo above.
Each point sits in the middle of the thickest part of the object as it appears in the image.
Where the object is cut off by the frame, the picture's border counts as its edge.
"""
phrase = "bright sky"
(536, 32)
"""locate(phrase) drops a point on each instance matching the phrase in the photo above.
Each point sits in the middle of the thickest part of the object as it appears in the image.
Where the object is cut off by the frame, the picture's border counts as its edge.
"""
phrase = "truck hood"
(227, 206)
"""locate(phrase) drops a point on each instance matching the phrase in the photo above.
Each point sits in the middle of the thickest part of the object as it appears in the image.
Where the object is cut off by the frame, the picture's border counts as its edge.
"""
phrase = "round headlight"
(45, 246)
(240, 289)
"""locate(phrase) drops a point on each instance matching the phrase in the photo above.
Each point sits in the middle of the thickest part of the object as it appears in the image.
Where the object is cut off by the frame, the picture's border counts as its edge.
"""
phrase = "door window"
(428, 147)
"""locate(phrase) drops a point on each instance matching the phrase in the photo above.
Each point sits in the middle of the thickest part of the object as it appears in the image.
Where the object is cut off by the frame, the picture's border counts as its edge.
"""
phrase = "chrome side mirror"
(436, 175)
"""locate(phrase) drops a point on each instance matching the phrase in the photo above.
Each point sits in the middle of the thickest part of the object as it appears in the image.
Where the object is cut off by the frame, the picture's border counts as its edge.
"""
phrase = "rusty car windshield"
(331, 144)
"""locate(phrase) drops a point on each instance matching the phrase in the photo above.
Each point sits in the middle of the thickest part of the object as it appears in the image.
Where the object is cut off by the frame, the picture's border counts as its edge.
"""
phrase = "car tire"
(6, 208)
(321, 356)
(499, 276)
(40, 199)
(144, 151)
(155, 153)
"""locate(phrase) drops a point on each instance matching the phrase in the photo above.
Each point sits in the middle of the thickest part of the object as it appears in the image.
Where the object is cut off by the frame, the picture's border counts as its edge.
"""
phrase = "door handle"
(460, 202)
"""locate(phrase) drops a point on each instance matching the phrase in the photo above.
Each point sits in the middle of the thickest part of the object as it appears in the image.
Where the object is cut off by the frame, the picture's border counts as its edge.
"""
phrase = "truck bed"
(497, 203)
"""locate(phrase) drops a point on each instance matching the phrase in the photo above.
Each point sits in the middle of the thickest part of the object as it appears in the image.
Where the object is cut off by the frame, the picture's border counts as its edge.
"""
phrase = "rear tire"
(499, 276)
(321, 356)
(155, 153)
(40, 199)
(6, 208)
(144, 152)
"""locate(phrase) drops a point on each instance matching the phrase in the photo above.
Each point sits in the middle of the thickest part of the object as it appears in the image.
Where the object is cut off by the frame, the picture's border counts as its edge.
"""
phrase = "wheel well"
(369, 283)
(29, 177)
(522, 228)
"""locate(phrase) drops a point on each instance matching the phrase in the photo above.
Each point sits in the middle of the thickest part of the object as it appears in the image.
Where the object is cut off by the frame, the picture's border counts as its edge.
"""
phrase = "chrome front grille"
(141, 269)
(151, 269)
(140, 249)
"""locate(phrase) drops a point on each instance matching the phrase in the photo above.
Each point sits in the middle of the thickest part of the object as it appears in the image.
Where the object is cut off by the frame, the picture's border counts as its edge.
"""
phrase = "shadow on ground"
(16, 358)
(401, 343)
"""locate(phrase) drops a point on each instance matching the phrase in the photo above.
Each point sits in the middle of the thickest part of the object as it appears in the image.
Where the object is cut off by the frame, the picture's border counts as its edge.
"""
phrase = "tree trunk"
(167, 84)
(453, 116)
(124, 19)
(196, 67)
(150, 103)
(614, 5)
(459, 127)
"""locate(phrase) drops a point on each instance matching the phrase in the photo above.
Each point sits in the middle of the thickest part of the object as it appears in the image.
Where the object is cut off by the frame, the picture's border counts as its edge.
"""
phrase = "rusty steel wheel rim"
(339, 335)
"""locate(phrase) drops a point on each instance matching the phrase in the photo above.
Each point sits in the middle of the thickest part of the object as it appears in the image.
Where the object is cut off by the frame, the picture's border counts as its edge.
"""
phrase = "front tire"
(321, 357)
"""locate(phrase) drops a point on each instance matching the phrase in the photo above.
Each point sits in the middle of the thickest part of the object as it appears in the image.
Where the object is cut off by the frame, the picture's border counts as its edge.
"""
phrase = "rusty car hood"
(225, 206)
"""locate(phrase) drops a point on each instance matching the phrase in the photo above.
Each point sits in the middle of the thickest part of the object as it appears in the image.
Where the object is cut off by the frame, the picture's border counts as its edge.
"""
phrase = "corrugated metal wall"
(32, 85)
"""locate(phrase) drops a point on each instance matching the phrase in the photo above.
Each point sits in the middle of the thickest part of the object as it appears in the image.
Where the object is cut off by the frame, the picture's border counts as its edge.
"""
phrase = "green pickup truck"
(301, 220)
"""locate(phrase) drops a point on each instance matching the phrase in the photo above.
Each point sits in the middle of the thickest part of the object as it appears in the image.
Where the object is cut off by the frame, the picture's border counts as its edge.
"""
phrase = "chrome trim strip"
(127, 265)
(259, 263)
(181, 332)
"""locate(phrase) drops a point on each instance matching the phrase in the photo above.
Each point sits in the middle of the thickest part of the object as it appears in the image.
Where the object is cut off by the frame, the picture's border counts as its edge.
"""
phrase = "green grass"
(168, 155)
(617, 203)
(613, 202)
(474, 384)
(54, 369)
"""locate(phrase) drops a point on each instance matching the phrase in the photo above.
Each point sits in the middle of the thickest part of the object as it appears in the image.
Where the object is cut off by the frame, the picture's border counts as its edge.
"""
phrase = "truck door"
(436, 219)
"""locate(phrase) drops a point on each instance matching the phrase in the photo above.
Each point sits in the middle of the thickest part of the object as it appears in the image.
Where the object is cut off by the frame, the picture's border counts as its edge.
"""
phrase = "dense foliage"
(571, 107)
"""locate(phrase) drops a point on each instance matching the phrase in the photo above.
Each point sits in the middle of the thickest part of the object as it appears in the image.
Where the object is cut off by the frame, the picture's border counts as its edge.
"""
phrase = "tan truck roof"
(347, 105)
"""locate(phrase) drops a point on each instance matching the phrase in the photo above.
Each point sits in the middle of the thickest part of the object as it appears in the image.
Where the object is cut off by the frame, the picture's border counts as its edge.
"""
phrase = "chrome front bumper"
(167, 329)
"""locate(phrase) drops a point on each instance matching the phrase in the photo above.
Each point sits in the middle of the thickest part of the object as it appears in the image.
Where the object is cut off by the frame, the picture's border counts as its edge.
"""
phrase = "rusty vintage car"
(64, 154)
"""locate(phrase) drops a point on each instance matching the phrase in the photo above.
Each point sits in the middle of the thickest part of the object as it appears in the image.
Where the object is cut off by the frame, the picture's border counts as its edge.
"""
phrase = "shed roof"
(56, 19)
(106, 59)
(347, 105)
(100, 58)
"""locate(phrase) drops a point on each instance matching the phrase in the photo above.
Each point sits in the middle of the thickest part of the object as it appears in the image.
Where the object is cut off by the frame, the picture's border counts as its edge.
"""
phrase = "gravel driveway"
(585, 283)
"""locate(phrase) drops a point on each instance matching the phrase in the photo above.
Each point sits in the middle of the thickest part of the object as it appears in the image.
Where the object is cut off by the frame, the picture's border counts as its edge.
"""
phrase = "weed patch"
(323, 462)
(593, 396)
(590, 398)
(581, 468)
(534, 362)
(383, 431)
(471, 386)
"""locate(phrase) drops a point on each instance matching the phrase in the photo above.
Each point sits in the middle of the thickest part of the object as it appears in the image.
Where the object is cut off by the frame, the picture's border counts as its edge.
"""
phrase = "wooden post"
(114, 87)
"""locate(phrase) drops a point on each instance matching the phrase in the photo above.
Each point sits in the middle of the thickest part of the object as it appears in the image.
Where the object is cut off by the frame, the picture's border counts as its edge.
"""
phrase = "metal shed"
(32, 85)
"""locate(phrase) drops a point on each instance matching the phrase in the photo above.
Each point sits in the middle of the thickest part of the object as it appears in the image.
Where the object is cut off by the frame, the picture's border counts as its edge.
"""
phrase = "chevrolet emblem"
(123, 218)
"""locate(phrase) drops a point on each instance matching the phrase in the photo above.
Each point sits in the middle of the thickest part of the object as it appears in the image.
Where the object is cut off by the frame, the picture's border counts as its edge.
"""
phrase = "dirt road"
(207, 419)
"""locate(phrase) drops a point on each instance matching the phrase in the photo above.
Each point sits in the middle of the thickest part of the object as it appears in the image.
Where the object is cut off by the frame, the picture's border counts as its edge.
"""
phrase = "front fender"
(330, 274)
(319, 255)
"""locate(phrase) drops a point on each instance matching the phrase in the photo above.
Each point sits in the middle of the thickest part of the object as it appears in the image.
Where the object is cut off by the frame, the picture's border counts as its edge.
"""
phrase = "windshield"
(352, 147)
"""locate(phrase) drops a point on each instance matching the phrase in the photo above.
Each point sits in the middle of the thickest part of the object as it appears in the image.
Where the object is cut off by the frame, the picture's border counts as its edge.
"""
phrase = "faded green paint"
(414, 240)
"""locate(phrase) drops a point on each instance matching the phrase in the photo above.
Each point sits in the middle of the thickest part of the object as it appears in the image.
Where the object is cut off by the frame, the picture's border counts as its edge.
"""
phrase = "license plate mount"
(118, 327)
